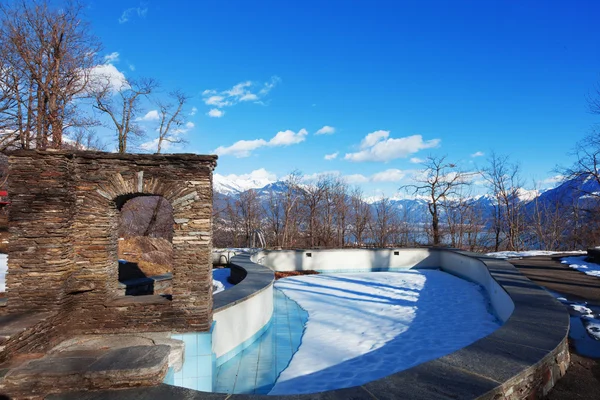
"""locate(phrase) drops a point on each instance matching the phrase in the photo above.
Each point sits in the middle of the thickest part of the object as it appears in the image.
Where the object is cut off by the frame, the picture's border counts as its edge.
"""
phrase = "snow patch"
(363, 327)
(579, 263)
(234, 184)
(592, 326)
(585, 325)
(530, 253)
(220, 281)
(3, 270)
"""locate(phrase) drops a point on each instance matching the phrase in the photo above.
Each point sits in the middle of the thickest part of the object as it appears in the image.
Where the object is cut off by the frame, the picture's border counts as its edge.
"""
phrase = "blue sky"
(467, 76)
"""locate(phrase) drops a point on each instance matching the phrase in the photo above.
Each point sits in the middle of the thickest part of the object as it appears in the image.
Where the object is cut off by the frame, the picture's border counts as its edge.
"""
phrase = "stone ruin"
(62, 263)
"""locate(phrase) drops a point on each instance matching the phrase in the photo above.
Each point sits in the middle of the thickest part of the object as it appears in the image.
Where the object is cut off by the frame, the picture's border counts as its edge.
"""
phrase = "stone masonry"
(63, 221)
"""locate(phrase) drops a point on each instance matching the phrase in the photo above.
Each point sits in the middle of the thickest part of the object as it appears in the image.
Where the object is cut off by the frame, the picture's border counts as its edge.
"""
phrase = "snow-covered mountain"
(577, 190)
(235, 184)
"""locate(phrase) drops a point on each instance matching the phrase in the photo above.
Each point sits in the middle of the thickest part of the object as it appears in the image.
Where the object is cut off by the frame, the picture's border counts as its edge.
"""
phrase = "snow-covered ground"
(3, 269)
(580, 264)
(235, 249)
(364, 326)
(530, 253)
(585, 325)
(220, 281)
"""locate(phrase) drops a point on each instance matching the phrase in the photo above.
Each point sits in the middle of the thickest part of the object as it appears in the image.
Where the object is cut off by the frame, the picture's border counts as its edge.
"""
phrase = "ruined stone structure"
(64, 219)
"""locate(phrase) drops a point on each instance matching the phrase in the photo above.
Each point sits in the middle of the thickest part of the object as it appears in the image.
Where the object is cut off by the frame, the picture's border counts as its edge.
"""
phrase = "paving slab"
(531, 334)
(495, 360)
(433, 380)
(549, 272)
(136, 358)
(150, 393)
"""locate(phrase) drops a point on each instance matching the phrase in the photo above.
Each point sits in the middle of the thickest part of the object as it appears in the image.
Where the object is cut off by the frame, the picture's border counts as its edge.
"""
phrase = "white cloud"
(331, 156)
(131, 67)
(378, 146)
(286, 138)
(249, 97)
(478, 154)
(111, 58)
(356, 178)
(258, 174)
(140, 11)
(239, 89)
(318, 175)
(268, 86)
(326, 130)
(171, 142)
(218, 101)
(107, 74)
(390, 175)
(151, 115)
(242, 92)
(193, 111)
(416, 160)
(553, 180)
(153, 145)
(214, 113)
(243, 148)
(372, 138)
(256, 179)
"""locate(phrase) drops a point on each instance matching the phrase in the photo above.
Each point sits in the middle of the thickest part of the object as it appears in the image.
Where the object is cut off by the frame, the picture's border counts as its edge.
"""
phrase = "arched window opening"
(145, 249)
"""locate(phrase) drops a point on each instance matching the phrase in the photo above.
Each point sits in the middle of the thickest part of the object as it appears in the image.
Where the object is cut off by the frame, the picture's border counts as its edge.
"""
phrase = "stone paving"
(95, 362)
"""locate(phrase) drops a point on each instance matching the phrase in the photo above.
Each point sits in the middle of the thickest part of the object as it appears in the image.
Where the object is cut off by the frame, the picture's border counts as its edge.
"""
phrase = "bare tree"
(274, 217)
(313, 197)
(47, 58)
(84, 139)
(505, 183)
(124, 108)
(587, 155)
(171, 117)
(342, 211)
(383, 222)
(360, 215)
(547, 223)
(249, 213)
(290, 202)
(439, 181)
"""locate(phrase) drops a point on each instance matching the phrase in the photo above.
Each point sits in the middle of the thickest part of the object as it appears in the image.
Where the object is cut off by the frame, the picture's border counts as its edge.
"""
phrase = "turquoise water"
(255, 369)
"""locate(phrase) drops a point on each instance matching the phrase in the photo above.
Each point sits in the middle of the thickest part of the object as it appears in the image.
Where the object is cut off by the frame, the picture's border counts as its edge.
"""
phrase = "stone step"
(19, 330)
(88, 369)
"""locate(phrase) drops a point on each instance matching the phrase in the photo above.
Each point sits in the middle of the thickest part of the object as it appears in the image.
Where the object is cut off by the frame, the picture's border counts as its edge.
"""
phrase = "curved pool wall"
(522, 359)
(242, 313)
(359, 260)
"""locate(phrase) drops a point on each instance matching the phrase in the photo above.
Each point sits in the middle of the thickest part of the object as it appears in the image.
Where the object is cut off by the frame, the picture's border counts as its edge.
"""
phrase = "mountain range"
(575, 191)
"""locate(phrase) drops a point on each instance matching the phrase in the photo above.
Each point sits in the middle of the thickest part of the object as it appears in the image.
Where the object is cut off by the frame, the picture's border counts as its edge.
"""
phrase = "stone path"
(548, 271)
(583, 376)
(94, 363)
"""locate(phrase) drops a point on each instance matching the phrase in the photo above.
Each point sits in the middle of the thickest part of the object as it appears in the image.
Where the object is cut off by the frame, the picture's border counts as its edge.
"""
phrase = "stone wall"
(64, 218)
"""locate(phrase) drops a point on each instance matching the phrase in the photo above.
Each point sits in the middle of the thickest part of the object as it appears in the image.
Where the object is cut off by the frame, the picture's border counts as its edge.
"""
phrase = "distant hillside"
(572, 192)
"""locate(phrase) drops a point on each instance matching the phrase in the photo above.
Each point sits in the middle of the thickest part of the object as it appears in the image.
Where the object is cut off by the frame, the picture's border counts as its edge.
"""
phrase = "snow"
(527, 195)
(530, 253)
(3, 269)
(234, 184)
(220, 281)
(581, 265)
(585, 325)
(362, 327)
(592, 326)
(581, 309)
(235, 249)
